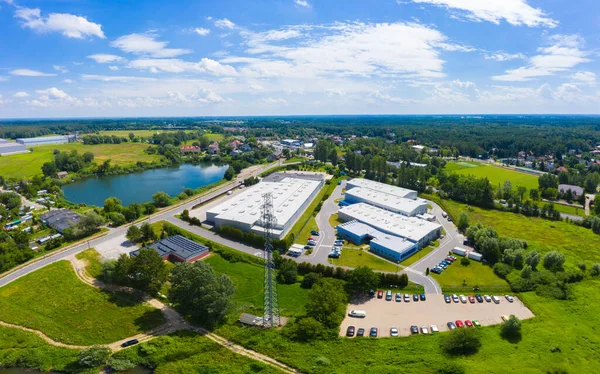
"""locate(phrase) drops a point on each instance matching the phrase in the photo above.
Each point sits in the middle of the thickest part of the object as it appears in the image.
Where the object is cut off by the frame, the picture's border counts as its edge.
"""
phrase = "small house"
(62, 174)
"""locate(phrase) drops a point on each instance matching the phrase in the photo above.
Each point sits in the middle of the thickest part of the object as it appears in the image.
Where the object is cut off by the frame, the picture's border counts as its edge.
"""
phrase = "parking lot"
(433, 311)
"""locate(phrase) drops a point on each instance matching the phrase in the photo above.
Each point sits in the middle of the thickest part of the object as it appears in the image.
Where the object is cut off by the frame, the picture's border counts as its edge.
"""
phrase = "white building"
(59, 139)
(414, 229)
(400, 205)
(381, 187)
(291, 196)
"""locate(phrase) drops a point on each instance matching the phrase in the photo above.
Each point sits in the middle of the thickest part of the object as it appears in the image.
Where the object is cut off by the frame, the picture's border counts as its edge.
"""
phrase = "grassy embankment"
(28, 165)
(496, 175)
(53, 300)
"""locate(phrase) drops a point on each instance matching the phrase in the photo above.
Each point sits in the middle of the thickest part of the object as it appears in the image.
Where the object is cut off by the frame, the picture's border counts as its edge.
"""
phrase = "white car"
(434, 328)
(229, 192)
(463, 299)
(487, 298)
(509, 298)
(496, 299)
(393, 331)
(424, 330)
(455, 298)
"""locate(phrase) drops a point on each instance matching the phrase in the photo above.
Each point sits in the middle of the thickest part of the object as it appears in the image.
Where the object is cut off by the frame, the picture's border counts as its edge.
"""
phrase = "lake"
(139, 187)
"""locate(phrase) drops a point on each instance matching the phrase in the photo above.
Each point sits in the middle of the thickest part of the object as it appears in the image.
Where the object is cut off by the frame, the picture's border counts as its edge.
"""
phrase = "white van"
(357, 313)
(496, 299)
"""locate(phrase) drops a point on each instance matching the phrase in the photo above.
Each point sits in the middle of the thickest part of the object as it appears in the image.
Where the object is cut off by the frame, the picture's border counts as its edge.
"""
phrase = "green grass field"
(457, 276)
(141, 133)
(356, 257)
(54, 301)
(248, 280)
(419, 255)
(496, 175)
(94, 262)
(305, 233)
(27, 165)
(567, 209)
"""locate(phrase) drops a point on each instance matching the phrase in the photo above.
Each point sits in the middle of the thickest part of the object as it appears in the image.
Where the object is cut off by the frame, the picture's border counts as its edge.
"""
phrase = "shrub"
(451, 368)
(287, 273)
(554, 261)
(596, 270)
(310, 279)
(462, 342)
(511, 328)
(94, 356)
(502, 270)
(465, 261)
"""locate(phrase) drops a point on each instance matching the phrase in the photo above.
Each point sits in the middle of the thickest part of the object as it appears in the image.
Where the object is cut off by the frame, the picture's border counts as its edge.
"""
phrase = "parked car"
(338, 242)
(487, 298)
(471, 299)
(393, 331)
(447, 299)
(509, 298)
(479, 298)
(504, 317)
(436, 270)
(459, 323)
(388, 295)
(424, 330)
(476, 323)
(311, 242)
(422, 297)
(414, 329)
(372, 293)
(398, 297)
(373, 332)
(463, 299)
(315, 232)
(415, 297)
(380, 294)
(334, 255)
(360, 332)
(455, 298)
(129, 343)
(451, 325)
(444, 214)
(357, 313)
(229, 192)
(311, 239)
(406, 298)
(468, 323)
(449, 219)
(434, 328)
(496, 299)
(350, 331)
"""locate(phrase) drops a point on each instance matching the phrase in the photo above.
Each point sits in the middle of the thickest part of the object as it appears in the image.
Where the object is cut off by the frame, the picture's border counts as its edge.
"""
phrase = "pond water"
(139, 187)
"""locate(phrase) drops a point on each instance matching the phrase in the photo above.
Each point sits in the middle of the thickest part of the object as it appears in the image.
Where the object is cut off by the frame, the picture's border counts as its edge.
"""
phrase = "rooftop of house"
(177, 245)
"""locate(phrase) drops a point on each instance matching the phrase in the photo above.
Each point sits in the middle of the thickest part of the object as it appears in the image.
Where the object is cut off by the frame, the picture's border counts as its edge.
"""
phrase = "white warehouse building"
(291, 196)
(416, 230)
(393, 203)
(381, 187)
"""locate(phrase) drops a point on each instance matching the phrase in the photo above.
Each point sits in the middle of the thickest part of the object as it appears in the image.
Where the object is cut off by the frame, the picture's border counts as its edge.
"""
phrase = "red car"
(459, 323)
(313, 239)
(472, 299)
(449, 259)
(468, 323)
(380, 294)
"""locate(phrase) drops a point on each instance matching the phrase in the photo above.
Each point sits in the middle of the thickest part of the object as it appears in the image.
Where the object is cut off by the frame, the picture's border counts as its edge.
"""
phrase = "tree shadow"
(512, 338)
(150, 320)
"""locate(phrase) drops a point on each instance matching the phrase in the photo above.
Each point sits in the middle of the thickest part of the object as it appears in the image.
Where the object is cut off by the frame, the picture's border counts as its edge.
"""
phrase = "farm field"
(496, 175)
(140, 133)
(27, 165)
(53, 300)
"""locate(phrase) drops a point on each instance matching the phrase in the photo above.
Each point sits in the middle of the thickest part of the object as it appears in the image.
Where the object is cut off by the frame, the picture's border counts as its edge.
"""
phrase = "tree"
(49, 169)
(112, 204)
(511, 328)
(465, 261)
(554, 260)
(463, 221)
(229, 174)
(526, 272)
(161, 199)
(90, 221)
(462, 342)
(310, 279)
(532, 259)
(534, 194)
(327, 302)
(94, 356)
(287, 273)
(361, 280)
(597, 204)
(185, 215)
(198, 291)
(148, 272)
(133, 233)
(131, 136)
(306, 329)
(88, 157)
(117, 219)
(595, 270)
(148, 234)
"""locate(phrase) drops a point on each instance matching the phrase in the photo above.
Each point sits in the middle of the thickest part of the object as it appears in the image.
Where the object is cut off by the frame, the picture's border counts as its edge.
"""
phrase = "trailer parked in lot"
(459, 251)
(475, 256)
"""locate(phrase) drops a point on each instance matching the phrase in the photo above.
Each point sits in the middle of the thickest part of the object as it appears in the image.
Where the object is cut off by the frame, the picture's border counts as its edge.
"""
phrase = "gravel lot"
(111, 249)
(433, 311)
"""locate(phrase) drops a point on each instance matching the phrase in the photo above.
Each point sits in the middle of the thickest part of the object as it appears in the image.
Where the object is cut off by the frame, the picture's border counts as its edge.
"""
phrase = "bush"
(502, 270)
(117, 219)
(462, 342)
(94, 356)
(310, 279)
(554, 261)
(511, 328)
(595, 270)
(451, 368)
(287, 273)
(305, 329)
(120, 364)
(465, 261)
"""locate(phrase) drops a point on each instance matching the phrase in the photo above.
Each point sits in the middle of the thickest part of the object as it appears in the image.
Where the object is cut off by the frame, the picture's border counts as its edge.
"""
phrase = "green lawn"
(94, 262)
(27, 165)
(305, 233)
(457, 276)
(567, 209)
(356, 257)
(248, 280)
(419, 255)
(54, 301)
(496, 175)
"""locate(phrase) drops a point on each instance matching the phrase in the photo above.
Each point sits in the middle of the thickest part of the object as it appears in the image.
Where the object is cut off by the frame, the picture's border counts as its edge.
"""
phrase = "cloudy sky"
(96, 58)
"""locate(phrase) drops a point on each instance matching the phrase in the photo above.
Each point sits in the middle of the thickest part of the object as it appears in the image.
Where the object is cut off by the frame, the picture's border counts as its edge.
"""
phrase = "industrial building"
(418, 231)
(9, 148)
(381, 187)
(291, 196)
(60, 139)
(393, 203)
(178, 249)
(386, 245)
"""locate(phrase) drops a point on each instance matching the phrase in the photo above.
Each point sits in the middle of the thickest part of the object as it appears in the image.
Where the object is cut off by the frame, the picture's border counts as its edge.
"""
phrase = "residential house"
(213, 149)
(190, 149)
(62, 174)
(576, 190)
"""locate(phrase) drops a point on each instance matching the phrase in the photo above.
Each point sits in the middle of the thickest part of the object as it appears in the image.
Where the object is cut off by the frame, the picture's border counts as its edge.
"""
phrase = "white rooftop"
(288, 196)
(387, 201)
(407, 227)
(391, 242)
(381, 187)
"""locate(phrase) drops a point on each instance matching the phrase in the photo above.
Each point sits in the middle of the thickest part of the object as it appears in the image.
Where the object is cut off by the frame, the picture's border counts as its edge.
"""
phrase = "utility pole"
(271, 303)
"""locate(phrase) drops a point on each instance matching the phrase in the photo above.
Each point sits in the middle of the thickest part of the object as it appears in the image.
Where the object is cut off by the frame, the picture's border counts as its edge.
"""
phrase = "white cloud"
(270, 100)
(206, 95)
(563, 53)
(30, 73)
(68, 81)
(178, 66)
(146, 44)
(103, 58)
(113, 67)
(69, 25)
(60, 68)
(224, 24)
(378, 96)
(585, 77)
(21, 94)
(456, 91)
(335, 92)
(201, 31)
(302, 3)
(501, 56)
(113, 78)
(515, 12)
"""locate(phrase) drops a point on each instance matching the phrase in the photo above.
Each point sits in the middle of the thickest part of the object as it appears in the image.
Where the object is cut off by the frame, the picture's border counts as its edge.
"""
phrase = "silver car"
(393, 331)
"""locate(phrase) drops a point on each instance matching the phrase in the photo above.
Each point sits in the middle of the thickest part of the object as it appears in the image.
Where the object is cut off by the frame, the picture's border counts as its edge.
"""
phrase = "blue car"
(422, 297)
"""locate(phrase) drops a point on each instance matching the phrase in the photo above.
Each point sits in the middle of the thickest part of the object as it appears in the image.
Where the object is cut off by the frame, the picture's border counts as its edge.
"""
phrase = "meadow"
(28, 165)
(496, 175)
(460, 278)
(53, 300)
(357, 257)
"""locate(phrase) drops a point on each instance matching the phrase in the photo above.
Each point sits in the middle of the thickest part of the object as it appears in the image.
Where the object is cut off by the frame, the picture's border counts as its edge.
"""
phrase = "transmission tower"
(271, 304)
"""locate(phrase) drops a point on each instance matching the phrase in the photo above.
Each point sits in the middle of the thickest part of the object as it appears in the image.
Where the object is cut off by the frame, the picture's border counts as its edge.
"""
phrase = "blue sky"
(88, 58)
